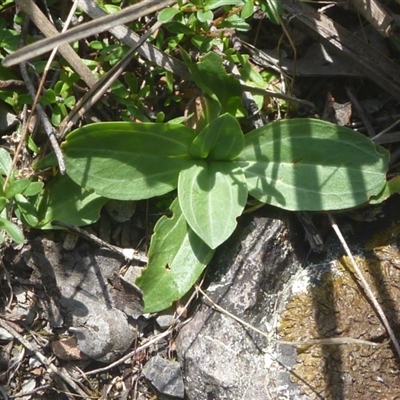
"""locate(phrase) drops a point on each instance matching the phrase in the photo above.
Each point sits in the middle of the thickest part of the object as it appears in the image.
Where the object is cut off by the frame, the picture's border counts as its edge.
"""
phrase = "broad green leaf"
(167, 14)
(5, 162)
(204, 16)
(17, 187)
(178, 27)
(211, 77)
(95, 45)
(248, 10)
(177, 257)
(49, 97)
(63, 200)
(213, 4)
(12, 230)
(234, 22)
(33, 189)
(32, 145)
(56, 115)
(308, 164)
(127, 161)
(391, 187)
(25, 210)
(249, 73)
(203, 43)
(49, 160)
(212, 195)
(222, 139)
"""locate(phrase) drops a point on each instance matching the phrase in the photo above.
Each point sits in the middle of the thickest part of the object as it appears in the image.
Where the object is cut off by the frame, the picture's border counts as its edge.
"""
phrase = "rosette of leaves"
(299, 164)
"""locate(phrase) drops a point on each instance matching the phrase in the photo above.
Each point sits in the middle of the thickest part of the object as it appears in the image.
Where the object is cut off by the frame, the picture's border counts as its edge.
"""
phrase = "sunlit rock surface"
(342, 350)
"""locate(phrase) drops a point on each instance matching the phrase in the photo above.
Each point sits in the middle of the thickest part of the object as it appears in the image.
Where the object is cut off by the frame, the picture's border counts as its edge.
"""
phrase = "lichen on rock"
(335, 307)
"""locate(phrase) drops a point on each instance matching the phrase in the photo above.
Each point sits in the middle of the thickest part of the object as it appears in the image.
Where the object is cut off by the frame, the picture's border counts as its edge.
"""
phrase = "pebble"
(166, 376)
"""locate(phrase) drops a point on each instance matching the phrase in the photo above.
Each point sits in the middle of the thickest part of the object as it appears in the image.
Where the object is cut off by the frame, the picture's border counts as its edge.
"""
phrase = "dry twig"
(44, 25)
(379, 69)
(101, 87)
(48, 364)
(128, 14)
(365, 285)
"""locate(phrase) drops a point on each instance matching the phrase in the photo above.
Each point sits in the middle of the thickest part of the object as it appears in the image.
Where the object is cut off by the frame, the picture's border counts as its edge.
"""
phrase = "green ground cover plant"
(17, 195)
(297, 164)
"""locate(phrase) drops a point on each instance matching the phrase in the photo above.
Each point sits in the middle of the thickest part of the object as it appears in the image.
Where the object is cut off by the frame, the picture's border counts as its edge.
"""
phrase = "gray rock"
(322, 337)
(165, 376)
(7, 120)
(87, 291)
(164, 320)
(5, 335)
(222, 359)
(104, 336)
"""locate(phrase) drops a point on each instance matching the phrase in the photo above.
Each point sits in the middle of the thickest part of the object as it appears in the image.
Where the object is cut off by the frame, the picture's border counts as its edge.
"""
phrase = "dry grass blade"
(380, 69)
(376, 15)
(365, 286)
(43, 360)
(45, 26)
(128, 14)
(98, 90)
(130, 38)
(128, 254)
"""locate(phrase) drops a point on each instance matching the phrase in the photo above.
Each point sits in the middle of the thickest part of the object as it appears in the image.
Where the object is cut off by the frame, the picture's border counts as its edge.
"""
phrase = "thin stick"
(42, 358)
(49, 129)
(365, 285)
(313, 342)
(363, 114)
(53, 53)
(152, 341)
(376, 15)
(332, 341)
(47, 28)
(128, 254)
(130, 38)
(97, 91)
(128, 14)
(237, 319)
(376, 138)
(173, 327)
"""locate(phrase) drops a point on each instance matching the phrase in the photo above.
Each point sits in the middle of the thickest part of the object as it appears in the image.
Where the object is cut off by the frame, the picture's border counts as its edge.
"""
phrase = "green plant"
(195, 19)
(299, 164)
(18, 196)
(26, 199)
(64, 200)
(61, 99)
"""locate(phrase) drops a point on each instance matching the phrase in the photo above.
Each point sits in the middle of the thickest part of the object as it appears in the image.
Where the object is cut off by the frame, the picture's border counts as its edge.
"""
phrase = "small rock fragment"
(164, 320)
(5, 335)
(165, 376)
(67, 349)
(104, 336)
(7, 120)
